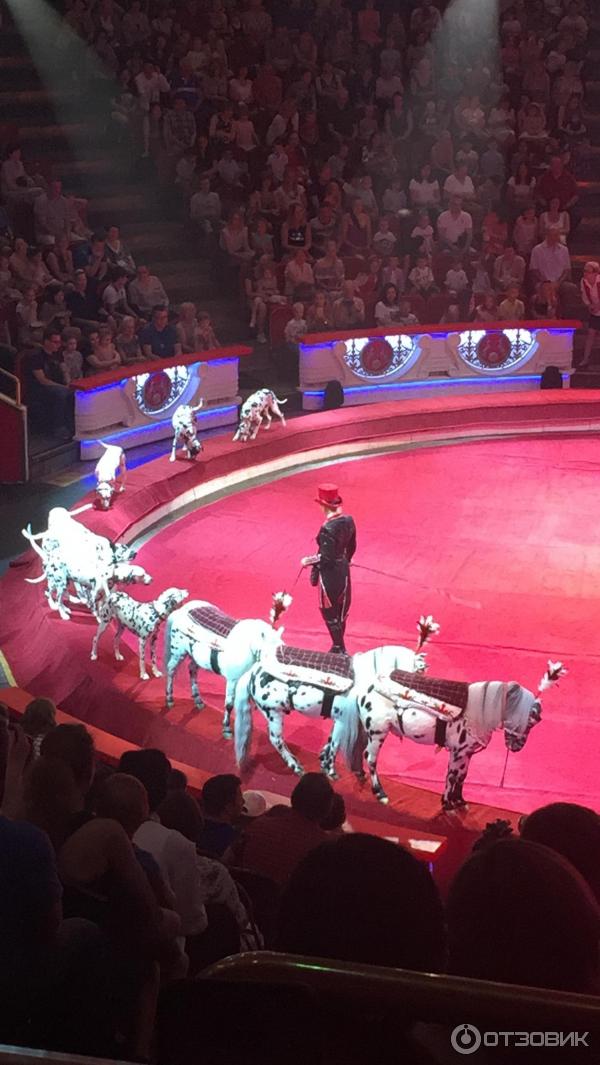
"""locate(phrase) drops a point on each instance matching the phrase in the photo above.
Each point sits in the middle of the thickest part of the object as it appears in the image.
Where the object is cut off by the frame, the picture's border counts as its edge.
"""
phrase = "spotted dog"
(259, 406)
(186, 431)
(111, 471)
(143, 619)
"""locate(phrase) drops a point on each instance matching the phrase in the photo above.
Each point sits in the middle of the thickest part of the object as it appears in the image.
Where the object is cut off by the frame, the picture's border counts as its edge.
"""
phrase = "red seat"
(437, 305)
(278, 320)
(353, 266)
(440, 265)
(418, 306)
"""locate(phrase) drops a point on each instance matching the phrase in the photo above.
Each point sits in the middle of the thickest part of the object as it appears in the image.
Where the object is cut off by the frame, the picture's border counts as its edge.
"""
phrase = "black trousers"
(335, 597)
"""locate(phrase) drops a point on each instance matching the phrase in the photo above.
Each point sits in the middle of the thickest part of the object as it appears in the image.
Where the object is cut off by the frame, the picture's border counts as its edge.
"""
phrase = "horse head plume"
(426, 628)
(282, 601)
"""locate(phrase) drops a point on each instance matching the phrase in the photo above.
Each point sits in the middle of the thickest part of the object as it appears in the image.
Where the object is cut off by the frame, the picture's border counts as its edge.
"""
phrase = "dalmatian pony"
(259, 406)
(143, 619)
(456, 716)
(186, 431)
(318, 685)
(111, 471)
(72, 553)
(212, 640)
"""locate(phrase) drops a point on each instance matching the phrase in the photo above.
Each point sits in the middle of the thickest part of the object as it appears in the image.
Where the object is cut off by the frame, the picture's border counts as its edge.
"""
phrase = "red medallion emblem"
(157, 390)
(494, 349)
(376, 357)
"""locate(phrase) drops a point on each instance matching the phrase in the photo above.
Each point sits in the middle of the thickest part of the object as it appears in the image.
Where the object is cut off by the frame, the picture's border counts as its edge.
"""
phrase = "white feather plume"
(282, 601)
(553, 674)
(426, 628)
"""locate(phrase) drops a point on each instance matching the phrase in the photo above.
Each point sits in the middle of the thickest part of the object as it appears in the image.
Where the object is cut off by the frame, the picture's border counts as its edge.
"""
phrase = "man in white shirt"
(550, 260)
(194, 881)
(459, 184)
(455, 227)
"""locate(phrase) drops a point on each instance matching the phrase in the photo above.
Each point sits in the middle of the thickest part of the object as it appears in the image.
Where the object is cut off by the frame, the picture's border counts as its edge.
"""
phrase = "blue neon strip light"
(407, 385)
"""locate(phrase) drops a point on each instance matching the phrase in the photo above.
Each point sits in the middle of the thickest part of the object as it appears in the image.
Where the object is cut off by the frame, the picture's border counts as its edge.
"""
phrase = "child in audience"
(405, 315)
(72, 359)
(456, 279)
(511, 308)
(206, 336)
(296, 327)
(421, 276)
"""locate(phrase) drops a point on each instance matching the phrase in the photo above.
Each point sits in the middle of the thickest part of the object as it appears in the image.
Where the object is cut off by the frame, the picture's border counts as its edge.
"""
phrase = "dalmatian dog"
(259, 407)
(70, 552)
(186, 431)
(111, 471)
(143, 619)
(121, 573)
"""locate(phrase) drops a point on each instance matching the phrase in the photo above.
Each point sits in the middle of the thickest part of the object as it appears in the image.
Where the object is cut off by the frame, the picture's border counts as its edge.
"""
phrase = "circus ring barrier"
(134, 405)
(377, 365)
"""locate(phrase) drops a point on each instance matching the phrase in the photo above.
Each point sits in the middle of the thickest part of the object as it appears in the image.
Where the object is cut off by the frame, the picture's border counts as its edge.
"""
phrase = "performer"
(331, 567)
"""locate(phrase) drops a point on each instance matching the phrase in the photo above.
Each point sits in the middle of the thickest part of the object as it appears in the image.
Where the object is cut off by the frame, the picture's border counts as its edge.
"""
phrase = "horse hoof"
(156, 673)
(144, 676)
(227, 734)
(383, 799)
(198, 706)
(298, 770)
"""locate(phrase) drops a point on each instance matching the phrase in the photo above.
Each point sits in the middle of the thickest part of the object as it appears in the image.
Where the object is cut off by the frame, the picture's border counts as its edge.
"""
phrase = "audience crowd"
(116, 882)
(345, 165)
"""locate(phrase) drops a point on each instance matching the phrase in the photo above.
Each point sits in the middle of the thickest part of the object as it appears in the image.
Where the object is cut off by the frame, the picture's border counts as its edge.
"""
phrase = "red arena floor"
(495, 538)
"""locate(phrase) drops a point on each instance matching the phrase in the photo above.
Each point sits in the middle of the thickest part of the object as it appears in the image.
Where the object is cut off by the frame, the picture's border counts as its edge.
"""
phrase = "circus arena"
(299, 497)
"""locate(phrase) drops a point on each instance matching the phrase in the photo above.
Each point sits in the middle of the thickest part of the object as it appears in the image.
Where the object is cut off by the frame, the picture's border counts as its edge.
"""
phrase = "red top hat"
(328, 495)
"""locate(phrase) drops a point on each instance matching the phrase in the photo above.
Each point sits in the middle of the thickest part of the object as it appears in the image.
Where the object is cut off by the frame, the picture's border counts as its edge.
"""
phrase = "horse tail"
(351, 739)
(243, 718)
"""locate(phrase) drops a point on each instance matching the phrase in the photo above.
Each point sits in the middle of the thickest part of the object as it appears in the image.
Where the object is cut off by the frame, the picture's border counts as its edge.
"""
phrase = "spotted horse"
(453, 715)
(317, 685)
(211, 639)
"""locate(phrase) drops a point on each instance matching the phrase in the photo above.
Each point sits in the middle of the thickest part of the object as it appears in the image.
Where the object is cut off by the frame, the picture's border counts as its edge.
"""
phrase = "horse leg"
(328, 755)
(458, 766)
(275, 722)
(193, 668)
(229, 701)
(153, 641)
(375, 741)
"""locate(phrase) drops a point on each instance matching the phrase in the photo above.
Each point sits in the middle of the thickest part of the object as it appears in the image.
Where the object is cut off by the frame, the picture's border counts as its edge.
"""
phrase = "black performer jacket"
(337, 543)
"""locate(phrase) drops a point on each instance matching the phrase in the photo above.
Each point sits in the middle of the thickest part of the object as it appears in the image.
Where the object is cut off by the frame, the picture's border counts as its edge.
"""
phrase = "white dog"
(186, 431)
(111, 471)
(260, 405)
